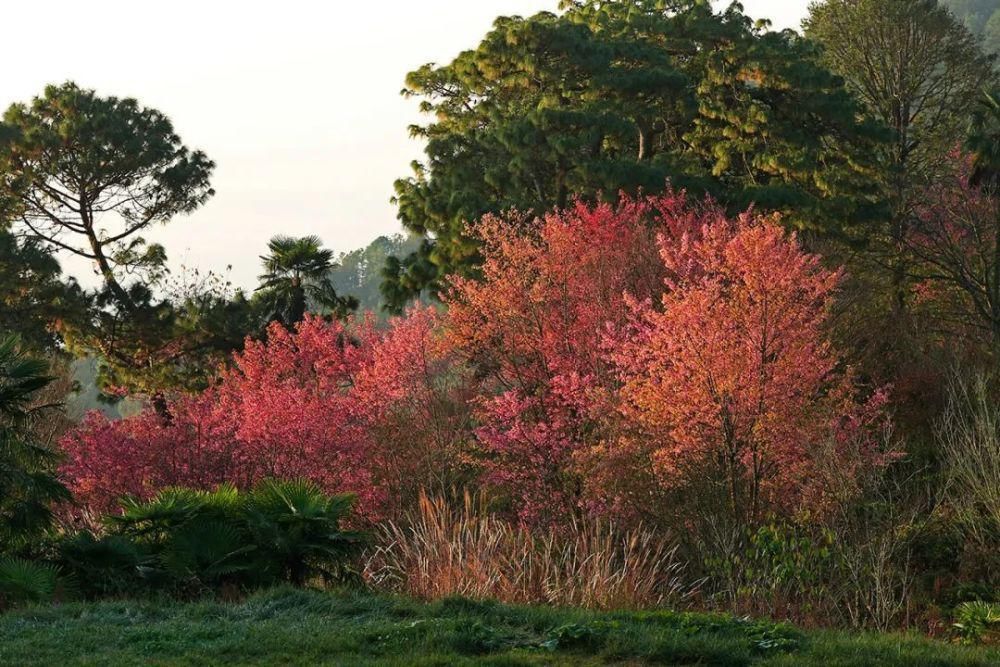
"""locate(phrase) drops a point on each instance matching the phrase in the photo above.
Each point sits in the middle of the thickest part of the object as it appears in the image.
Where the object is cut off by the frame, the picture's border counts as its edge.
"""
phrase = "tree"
(632, 355)
(956, 237)
(731, 379)
(86, 174)
(627, 95)
(359, 272)
(918, 71)
(532, 329)
(35, 302)
(379, 413)
(28, 485)
(297, 272)
(955, 240)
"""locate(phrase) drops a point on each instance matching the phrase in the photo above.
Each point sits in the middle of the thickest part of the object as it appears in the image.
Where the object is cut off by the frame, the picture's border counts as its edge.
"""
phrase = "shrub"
(190, 541)
(462, 549)
(976, 620)
(23, 581)
(28, 485)
(969, 436)
(107, 566)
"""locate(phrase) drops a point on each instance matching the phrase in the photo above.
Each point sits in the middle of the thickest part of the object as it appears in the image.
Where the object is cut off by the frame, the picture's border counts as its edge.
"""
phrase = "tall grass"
(461, 549)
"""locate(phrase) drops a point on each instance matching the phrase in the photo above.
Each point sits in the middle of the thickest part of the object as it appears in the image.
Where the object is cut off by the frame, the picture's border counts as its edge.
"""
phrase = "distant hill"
(982, 17)
(87, 398)
(359, 273)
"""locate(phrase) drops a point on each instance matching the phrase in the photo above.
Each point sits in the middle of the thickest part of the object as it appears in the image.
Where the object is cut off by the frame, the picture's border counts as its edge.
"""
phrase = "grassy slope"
(290, 627)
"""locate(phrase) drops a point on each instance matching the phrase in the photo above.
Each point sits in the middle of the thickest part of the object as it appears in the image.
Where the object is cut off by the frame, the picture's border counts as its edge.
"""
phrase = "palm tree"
(297, 273)
(983, 143)
(28, 486)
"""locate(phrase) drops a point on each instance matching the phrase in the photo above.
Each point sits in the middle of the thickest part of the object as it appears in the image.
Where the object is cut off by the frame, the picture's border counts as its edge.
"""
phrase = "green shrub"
(190, 541)
(23, 581)
(101, 567)
(975, 620)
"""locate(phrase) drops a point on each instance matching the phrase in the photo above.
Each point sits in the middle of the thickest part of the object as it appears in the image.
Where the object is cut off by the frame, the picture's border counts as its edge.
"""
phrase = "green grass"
(290, 627)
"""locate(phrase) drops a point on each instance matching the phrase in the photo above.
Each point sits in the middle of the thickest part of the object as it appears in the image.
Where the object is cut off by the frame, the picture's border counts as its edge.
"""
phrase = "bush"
(23, 581)
(188, 541)
(969, 436)
(976, 620)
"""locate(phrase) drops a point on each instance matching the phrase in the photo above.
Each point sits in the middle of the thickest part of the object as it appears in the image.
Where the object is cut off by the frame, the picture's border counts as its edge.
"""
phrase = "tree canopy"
(85, 174)
(35, 301)
(610, 96)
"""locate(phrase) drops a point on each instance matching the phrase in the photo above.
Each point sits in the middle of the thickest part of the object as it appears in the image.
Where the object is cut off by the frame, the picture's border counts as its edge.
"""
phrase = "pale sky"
(296, 101)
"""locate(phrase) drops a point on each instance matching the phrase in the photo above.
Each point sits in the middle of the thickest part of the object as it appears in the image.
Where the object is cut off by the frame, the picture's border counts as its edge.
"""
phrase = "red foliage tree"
(731, 379)
(533, 327)
(346, 406)
(625, 347)
(107, 459)
(607, 357)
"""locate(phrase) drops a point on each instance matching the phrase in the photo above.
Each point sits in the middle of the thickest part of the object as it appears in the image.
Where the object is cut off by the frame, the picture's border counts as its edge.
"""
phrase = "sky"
(297, 101)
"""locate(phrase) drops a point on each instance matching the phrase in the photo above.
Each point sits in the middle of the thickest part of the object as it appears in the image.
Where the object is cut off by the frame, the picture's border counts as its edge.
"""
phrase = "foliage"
(296, 281)
(919, 72)
(733, 373)
(974, 620)
(35, 301)
(359, 272)
(23, 581)
(981, 17)
(614, 376)
(532, 329)
(71, 160)
(610, 96)
(783, 567)
(377, 413)
(539, 376)
(953, 240)
(280, 531)
(101, 567)
(87, 175)
(28, 485)
(969, 437)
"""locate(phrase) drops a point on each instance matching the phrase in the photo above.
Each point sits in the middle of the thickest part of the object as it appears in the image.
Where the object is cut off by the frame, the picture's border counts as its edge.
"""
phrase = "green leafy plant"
(23, 581)
(111, 565)
(28, 485)
(296, 529)
(187, 540)
(975, 620)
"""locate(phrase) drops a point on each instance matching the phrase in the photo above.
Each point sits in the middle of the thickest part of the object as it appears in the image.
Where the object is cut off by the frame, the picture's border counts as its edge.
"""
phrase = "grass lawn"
(289, 627)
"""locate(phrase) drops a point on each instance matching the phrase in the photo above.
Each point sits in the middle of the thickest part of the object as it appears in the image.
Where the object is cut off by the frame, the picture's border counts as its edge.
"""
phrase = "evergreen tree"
(35, 302)
(87, 175)
(626, 95)
(981, 17)
(359, 272)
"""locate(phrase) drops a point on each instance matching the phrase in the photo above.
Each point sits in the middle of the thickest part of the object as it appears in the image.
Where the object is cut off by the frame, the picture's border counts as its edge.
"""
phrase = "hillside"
(981, 17)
